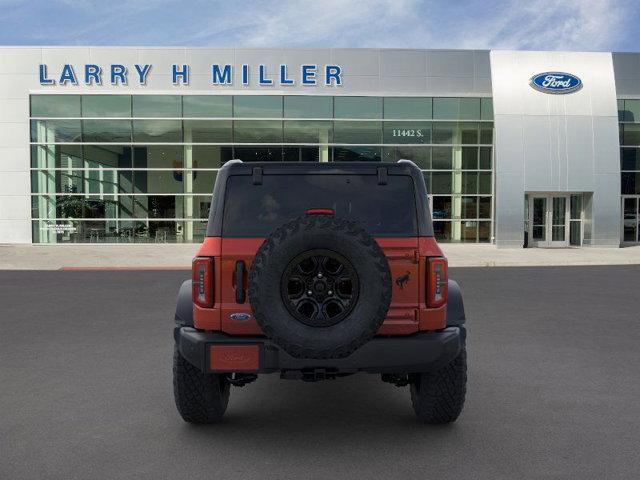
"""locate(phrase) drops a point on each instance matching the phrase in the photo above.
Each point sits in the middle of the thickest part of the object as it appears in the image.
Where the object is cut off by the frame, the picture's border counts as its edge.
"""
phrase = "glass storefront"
(629, 118)
(141, 168)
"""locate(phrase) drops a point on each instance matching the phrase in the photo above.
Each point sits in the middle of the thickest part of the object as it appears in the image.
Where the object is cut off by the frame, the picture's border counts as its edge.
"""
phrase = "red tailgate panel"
(407, 313)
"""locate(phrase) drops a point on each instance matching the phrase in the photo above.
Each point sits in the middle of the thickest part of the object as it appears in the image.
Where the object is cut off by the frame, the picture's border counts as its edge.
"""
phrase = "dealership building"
(123, 145)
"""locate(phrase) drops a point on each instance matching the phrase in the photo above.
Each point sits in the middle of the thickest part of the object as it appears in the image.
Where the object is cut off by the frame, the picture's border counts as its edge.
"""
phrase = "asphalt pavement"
(554, 388)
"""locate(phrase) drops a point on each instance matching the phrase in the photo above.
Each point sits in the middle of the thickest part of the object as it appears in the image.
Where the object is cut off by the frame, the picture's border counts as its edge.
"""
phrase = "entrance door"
(549, 222)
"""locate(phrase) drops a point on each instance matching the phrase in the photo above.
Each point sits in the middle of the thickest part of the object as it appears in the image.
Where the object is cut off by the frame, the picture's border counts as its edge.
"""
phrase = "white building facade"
(122, 145)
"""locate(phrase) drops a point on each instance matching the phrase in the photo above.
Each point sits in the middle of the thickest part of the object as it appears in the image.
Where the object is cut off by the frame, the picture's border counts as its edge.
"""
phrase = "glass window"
(57, 181)
(469, 133)
(469, 182)
(159, 181)
(441, 182)
(444, 132)
(408, 107)
(407, 132)
(442, 158)
(486, 133)
(55, 105)
(630, 183)
(200, 206)
(101, 207)
(257, 106)
(629, 159)
(484, 232)
(107, 156)
(159, 206)
(257, 131)
(442, 231)
(486, 108)
(108, 181)
(632, 110)
(456, 108)
(104, 106)
(576, 207)
(441, 207)
(469, 109)
(357, 132)
(621, 112)
(258, 154)
(56, 156)
(358, 107)
(203, 180)
(209, 106)
(255, 210)
(308, 131)
(306, 154)
(484, 207)
(421, 156)
(446, 108)
(357, 154)
(298, 106)
(468, 231)
(207, 131)
(470, 158)
(157, 106)
(110, 131)
(210, 156)
(631, 135)
(157, 131)
(485, 183)
(469, 207)
(485, 158)
(159, 156)
(45, 131)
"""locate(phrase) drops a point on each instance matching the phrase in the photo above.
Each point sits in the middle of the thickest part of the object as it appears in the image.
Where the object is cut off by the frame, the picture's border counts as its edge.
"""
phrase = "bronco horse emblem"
(402, 280)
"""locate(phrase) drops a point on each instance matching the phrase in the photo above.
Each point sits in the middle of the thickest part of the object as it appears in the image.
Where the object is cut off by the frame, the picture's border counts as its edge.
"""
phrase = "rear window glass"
(256, 210)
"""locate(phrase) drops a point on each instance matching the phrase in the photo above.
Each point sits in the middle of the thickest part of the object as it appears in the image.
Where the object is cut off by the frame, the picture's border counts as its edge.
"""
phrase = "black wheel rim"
(319, 288)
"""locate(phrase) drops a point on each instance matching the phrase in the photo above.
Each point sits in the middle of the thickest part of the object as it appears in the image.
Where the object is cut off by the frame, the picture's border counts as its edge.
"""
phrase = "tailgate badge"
(402, 280)
(240, 316)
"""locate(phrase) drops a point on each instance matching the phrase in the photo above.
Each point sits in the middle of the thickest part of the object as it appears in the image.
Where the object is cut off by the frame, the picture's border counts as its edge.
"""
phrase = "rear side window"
(256, 210)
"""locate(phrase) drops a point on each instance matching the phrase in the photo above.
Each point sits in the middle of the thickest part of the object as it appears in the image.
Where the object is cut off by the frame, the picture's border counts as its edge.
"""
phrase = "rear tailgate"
(402, 255)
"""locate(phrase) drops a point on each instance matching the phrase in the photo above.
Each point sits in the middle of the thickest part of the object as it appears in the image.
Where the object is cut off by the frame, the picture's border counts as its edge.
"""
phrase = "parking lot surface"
(554, 388)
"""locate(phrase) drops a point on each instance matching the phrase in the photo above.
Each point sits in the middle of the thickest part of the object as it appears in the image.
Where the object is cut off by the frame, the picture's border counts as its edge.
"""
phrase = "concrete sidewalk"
(178, 256)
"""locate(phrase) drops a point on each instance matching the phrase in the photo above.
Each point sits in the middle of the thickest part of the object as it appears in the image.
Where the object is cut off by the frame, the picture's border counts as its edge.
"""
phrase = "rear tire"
(200, 397)
(438, 397)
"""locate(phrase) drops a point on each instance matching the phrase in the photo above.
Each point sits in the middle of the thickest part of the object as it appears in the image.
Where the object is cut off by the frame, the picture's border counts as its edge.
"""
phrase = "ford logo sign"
(240, 316)
(556, 82)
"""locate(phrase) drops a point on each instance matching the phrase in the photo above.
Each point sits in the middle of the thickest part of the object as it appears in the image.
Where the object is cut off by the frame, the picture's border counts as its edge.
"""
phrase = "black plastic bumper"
(420, 352)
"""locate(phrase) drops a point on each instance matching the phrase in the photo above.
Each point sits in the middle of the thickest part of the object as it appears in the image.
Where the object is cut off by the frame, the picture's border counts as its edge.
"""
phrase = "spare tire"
(320, 287)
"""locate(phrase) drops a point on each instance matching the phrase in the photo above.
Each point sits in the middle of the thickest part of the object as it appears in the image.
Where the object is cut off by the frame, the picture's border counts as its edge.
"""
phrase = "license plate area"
(234, 358)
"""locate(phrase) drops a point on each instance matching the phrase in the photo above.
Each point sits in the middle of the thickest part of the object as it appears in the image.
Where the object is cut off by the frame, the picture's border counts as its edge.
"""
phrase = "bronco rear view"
(316, 271)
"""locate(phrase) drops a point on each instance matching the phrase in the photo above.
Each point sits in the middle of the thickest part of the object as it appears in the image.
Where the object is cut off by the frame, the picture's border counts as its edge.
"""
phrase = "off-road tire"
(200, 397)
(438, 397)
(345, 238)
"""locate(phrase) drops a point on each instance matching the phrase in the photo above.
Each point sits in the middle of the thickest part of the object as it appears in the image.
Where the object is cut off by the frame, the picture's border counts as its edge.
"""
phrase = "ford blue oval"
(556, 82)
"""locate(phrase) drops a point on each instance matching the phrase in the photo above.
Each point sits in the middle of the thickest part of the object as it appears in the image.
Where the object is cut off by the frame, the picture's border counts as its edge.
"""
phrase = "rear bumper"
(420, 352)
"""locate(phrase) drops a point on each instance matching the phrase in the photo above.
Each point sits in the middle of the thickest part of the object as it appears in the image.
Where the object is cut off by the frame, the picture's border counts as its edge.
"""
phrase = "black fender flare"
(184, 306)
(455, 306)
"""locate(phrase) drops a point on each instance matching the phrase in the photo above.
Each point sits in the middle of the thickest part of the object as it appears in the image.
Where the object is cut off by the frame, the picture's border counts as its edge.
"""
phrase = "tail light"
(437, 282)
(320, 211)
(202, 281)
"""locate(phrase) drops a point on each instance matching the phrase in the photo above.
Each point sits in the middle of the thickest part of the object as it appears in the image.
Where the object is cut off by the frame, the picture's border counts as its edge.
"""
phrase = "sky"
(588, 25)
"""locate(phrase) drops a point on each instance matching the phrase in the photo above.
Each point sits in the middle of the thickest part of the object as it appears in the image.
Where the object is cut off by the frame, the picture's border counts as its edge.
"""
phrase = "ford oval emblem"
(556, 82)
(240, 316)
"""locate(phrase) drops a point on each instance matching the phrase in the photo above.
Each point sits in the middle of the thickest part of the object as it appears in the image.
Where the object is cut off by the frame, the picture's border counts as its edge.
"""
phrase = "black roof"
(257, 169)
